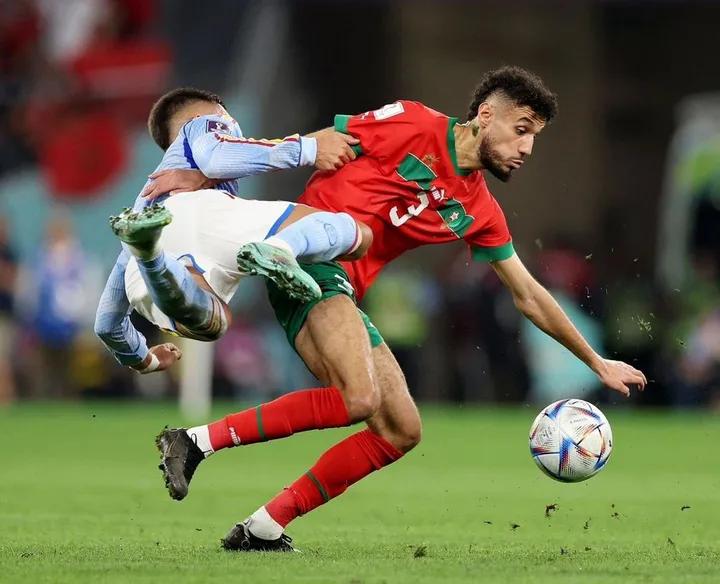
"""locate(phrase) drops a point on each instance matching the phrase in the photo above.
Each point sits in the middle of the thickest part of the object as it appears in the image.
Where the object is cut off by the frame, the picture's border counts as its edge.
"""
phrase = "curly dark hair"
(171, 103)
(519, 86)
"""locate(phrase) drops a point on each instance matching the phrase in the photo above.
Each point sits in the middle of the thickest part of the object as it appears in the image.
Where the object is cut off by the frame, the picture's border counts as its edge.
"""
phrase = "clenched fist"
(159, 358)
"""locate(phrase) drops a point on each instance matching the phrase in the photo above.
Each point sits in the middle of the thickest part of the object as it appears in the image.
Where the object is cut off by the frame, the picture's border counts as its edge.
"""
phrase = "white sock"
(280, 243)
(261, 525)
(201, 436)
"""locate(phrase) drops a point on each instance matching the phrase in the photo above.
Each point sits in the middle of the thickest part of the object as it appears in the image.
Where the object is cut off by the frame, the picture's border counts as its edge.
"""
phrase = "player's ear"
(485, 114)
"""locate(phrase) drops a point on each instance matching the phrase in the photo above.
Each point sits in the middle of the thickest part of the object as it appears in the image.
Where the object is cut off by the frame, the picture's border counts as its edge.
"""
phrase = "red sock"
(309, 409)
(343, 465)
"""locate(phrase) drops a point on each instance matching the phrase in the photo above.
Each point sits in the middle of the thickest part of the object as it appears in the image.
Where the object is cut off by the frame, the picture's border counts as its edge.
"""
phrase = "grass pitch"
(81, 501)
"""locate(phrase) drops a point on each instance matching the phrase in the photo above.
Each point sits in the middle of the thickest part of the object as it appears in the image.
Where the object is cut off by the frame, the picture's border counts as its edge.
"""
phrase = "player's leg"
(309, 235)
(176, 290)
(335, 346)
(317, 236)
(393, 430)
(207, 333)
(182, 294)
(397, 419)
(334, 343)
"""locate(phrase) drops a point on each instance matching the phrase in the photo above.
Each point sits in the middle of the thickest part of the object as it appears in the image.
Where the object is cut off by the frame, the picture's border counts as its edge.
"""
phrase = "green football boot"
(141, 230)
(278, 265)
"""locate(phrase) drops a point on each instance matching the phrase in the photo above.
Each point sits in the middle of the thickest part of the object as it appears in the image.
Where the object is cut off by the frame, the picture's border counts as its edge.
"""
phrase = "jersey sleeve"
(219, 150)
(493, 242)
(386, 134)
(112, 320)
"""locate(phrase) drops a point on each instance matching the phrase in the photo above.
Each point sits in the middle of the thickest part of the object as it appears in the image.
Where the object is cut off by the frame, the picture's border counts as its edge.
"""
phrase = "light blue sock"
(320, 237)
(175, 292)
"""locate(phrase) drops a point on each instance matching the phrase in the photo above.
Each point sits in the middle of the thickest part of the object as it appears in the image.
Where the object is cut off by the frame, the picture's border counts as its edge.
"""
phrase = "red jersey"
(408, 189)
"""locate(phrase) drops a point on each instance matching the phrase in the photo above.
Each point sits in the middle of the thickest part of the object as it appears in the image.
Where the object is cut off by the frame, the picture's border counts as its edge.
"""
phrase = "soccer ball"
(571, 440)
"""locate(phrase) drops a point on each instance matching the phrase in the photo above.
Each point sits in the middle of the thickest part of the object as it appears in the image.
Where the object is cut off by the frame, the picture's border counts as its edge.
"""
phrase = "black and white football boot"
(180, 458)
(241, 540)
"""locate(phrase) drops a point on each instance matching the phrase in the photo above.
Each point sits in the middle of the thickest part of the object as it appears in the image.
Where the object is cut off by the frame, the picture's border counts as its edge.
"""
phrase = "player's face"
(507, 139)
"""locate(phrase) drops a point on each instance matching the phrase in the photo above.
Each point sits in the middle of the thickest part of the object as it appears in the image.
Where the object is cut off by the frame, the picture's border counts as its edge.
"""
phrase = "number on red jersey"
(388, 111)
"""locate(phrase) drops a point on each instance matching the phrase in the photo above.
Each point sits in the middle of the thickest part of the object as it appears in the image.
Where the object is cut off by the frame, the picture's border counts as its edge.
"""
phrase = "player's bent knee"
(202, 336)
(366, 239)
(362, 402)
(409, 435)
(218, 325)
(357, 386)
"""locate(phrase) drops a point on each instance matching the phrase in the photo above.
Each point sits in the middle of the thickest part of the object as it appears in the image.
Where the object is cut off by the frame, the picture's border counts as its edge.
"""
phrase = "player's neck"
(467, 142)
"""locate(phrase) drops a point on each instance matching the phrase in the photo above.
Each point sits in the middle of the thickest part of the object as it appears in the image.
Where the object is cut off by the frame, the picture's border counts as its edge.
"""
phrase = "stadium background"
(617, 212)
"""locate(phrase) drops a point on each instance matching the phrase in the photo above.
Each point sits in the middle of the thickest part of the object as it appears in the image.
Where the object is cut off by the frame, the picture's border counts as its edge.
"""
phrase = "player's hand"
(333, 149)
(618, 375)
(166, 354)
(173, 182)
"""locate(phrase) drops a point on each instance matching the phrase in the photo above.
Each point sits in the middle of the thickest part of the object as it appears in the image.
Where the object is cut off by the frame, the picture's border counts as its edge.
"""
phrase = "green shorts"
(333, 280)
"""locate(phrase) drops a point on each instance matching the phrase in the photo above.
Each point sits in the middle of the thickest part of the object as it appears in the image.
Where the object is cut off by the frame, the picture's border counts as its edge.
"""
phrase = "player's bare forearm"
(178, 181)
(536, 303)
(545, 313)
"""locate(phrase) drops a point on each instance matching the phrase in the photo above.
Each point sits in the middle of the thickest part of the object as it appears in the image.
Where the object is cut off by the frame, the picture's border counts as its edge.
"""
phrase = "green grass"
(81, 501)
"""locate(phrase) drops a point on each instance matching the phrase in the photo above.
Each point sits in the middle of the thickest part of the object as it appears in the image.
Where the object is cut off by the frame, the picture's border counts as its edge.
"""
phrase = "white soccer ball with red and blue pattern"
(571, 440)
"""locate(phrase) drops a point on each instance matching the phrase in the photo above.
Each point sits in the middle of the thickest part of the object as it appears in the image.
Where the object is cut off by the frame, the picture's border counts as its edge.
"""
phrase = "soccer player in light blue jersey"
(183, 257)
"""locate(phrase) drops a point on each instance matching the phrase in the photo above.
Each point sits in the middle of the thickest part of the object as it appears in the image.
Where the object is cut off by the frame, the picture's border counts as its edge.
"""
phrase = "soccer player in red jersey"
(418, 181)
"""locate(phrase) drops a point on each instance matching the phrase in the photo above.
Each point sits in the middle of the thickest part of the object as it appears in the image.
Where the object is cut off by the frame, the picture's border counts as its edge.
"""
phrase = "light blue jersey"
(215, 146)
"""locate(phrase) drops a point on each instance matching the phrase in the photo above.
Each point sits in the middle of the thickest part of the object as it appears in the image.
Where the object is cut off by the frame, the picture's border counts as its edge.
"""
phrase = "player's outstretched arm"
(222, 157)
(112, 321)
(122, 339)
(538, 305)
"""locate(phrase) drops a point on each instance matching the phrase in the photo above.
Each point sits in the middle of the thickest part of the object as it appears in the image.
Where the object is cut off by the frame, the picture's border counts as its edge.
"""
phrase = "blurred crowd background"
(617, 212)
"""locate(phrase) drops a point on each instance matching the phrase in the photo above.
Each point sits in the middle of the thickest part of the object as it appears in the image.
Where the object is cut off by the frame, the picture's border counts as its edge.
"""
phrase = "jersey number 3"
(412, 211)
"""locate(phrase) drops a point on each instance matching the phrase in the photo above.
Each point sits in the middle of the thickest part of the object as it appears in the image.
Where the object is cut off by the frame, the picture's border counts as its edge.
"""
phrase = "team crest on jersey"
(455, 217)
(219, 127)
(429, 159)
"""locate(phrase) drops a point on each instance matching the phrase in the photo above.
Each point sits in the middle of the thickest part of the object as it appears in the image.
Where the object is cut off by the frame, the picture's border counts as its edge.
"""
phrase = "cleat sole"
(138, 227)
(177, 490)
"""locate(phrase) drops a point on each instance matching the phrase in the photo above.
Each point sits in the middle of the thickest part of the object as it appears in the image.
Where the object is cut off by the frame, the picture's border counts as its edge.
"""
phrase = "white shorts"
(207, 231)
